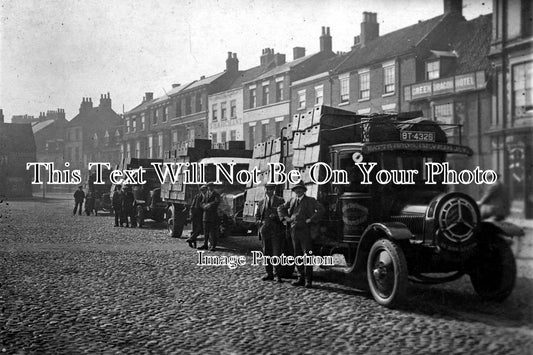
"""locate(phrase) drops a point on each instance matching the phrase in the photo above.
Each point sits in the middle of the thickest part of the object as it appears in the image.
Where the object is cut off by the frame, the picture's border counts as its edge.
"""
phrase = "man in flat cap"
(79, 196)
(303, 213)
(196, 213)
(270, 230)
(211, 220)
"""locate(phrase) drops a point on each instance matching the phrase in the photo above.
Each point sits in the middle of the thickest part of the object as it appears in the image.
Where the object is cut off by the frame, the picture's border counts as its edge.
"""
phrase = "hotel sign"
(458, 83)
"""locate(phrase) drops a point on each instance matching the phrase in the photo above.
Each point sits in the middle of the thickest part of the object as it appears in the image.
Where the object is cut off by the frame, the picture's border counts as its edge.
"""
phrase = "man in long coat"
(211, 220)
(196, 214)
(302, 213)
(270, 230)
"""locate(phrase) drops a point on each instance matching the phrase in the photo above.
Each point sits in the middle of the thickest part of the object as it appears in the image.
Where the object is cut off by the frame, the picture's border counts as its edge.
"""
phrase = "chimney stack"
(298, 52)
(369, 27)
(279, 59)
(149, 96)
(86, 104)
(105, 100)
(325, 40)
(1, 116)
(232, 63)
(267, 56)
(356, 42)
(175, 85)
(453, 6)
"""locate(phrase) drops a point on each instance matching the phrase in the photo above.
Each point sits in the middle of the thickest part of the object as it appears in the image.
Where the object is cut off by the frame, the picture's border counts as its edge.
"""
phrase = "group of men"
(123, 202)
(90, 202)
(300, 215)
(204, 217)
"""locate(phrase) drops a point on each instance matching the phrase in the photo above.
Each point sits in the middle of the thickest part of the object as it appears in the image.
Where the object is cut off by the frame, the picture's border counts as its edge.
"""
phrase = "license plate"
(417, 136)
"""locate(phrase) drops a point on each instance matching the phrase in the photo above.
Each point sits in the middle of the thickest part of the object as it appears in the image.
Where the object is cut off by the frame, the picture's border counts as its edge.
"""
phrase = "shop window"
(522, 92)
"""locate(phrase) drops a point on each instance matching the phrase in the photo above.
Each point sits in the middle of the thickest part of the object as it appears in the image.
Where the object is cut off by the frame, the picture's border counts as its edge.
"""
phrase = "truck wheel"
(387, 273)
(140, 215)
(175, 222)
(494, 274)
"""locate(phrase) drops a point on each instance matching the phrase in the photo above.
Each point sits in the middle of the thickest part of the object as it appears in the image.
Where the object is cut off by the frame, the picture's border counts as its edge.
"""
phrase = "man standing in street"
(116, 200)
(270, 230)
(128, 207)
(196, 214)
(303, 213)
(79, 196)
(211, 221)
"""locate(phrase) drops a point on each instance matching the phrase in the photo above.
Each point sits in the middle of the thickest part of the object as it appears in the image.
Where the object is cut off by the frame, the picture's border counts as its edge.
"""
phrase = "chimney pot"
(202, 77)
(229, 55)
(325, 40)
(175, 85)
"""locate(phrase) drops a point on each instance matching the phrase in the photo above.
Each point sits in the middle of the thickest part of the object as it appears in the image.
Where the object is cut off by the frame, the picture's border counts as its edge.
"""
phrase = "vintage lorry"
(101, 192)
(178, 195)
(391, 233)
(148, 202)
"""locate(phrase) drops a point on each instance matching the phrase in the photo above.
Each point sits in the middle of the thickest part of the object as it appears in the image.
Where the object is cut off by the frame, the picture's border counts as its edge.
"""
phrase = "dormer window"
(433, 70)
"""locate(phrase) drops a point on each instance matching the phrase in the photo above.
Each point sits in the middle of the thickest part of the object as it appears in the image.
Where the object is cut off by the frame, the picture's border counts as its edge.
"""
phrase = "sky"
(55, 52)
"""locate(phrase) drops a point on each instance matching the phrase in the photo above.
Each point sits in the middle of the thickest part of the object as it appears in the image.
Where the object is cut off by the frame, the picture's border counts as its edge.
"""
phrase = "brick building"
(158, 125)
(49, 136)
(511, 125)
(94, 134)
(453, 90)
(267, 98)
(17, 147)
(225, 114)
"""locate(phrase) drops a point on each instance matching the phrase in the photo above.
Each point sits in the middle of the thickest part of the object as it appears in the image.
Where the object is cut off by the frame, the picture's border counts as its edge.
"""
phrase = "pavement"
(76, 284)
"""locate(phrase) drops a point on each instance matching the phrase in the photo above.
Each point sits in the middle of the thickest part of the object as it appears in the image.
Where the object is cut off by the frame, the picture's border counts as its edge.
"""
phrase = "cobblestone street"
(75, 284)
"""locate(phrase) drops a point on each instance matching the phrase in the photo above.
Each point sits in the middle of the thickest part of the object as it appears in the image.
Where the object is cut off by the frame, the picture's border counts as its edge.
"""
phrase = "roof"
(17, 137)
(324, 67)
(472, 44)
(139, 108)
(37, 126)
(247, 75)
(205, 81)
(166, 97)
(284, 67)
(389, 45)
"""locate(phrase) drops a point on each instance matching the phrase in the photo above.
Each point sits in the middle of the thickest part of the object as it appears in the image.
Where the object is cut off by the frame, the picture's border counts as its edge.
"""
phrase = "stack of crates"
(313, 133)
(304, 142)
(192, 152)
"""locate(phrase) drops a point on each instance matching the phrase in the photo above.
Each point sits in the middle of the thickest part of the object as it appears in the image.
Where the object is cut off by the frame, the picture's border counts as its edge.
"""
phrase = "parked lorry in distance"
(148, 202)
(179, 195)
(101, 192)
(392, 233)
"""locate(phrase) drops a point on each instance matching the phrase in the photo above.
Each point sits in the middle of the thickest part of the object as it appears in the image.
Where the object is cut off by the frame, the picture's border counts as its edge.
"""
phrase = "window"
(165, 114)
(251, 136)
(388, 78)
(444, 114)
(233, 108)
(178, 108)
(188, 105)
(277, 128)
(522, 89)
(223, 137)
(190, 133)
(134, 124)
(160, 145)
(198, 103)
(154, 116)
(319, 95)
(301, 99)
(233, 135)
(266, 95)
(214, 112)
(345, 88)
(364, 86)
(279, 91)
(223, 111)
(128, 125)
(253, 98)
(433, 70)
(142, 123)
(264, 127)
(214, 138)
